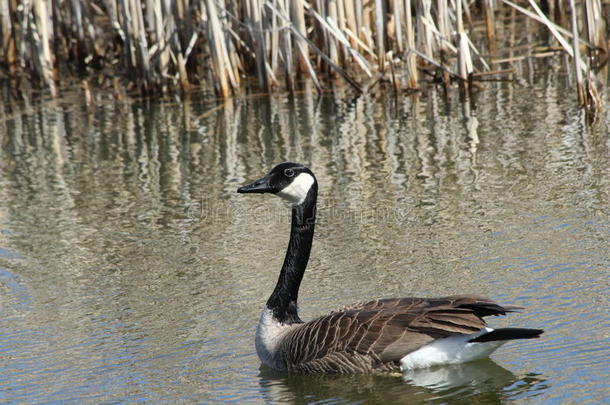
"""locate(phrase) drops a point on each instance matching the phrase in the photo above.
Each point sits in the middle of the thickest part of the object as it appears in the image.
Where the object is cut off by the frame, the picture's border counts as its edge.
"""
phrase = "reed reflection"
(157, 162)
(131, 238)
(153, 165)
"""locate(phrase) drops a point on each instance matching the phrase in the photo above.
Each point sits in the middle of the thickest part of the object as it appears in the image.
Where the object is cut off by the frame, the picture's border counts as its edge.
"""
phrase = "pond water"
(131, 271)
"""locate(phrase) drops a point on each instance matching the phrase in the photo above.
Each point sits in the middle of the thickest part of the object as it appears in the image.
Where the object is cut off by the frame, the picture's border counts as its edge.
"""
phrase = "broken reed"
(158, 44)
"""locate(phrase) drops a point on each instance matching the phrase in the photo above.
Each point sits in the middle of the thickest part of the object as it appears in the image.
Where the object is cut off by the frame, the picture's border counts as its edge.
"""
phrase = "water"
(131, 271)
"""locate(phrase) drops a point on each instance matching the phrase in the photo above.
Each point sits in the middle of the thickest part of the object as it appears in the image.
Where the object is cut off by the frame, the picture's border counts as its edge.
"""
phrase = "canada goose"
(382, 335)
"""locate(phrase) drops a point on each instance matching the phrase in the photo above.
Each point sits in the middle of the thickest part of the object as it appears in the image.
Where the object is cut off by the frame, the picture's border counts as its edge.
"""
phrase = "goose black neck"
(283, 300)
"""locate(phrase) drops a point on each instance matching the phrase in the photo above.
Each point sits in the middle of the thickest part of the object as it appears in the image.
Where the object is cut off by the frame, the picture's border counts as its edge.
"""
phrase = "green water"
(131, 271)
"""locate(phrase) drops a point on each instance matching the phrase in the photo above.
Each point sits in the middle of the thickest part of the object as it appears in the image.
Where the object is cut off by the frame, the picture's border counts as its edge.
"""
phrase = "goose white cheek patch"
(296, 191)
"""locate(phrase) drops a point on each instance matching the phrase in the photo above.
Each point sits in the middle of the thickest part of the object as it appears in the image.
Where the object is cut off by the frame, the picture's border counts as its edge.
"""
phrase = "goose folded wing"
(377, 334)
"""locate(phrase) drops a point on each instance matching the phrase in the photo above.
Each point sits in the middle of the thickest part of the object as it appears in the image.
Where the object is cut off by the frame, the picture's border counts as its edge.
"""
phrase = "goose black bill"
(259, 186)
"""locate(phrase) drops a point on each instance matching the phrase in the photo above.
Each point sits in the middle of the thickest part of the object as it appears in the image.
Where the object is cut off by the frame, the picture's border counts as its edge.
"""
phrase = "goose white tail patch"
(452, 350)
(297, 190)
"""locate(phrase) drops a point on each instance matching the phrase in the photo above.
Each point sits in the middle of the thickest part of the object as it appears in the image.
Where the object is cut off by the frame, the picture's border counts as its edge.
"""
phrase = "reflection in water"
(130, 270)
(480, 382)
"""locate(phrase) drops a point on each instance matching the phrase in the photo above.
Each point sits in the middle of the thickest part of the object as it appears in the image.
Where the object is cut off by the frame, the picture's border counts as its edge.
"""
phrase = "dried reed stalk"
(44, 50)
(216, 42)
(580, 84)
(595, 30)
(412, 78)
(163, 44)
(490, 29)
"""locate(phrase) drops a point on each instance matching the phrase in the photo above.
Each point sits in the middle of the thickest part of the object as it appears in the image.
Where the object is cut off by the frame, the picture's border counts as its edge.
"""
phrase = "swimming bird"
(392, 334)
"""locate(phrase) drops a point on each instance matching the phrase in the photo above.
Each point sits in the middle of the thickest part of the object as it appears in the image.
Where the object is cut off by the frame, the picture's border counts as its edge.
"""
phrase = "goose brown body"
(376, 335)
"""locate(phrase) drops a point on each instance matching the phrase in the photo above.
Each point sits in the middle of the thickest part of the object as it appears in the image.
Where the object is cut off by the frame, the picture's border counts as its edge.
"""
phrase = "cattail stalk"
(412, 81)
(580, 84)
(42, 29)
(217, 47)
(490, 29)
(161, 45)
(380, 32)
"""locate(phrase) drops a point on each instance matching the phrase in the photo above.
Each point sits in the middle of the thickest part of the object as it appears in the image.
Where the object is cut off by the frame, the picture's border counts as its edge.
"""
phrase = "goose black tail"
(508, 334)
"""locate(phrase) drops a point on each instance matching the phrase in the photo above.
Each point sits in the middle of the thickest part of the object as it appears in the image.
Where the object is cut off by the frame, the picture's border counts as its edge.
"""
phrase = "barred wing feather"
(375, 335)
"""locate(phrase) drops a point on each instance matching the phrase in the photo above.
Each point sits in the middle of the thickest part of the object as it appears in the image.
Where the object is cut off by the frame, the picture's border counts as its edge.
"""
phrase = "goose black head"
(289, 180)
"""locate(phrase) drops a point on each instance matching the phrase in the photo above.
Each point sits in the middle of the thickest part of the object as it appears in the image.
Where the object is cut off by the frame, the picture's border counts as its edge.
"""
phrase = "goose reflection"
(482, 380)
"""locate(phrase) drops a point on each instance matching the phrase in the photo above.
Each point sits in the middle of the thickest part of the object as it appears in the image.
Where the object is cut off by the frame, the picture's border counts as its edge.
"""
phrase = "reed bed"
(157, 46)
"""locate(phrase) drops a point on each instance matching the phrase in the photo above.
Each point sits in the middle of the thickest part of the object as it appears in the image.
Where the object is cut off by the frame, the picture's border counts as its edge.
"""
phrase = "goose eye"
(289, 172)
